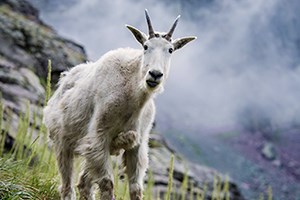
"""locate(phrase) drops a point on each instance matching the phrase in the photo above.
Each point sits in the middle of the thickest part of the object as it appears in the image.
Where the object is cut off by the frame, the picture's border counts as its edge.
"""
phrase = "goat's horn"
(150, 28)
(170, 33)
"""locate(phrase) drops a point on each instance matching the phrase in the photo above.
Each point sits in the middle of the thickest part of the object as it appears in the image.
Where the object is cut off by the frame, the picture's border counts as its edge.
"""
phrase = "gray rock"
(30, 43)
(268, 151)
(26, 45)
(197, 175)
(23, 7)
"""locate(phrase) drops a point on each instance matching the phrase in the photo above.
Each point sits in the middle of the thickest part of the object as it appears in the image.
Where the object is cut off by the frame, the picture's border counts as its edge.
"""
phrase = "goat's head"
(158, 48)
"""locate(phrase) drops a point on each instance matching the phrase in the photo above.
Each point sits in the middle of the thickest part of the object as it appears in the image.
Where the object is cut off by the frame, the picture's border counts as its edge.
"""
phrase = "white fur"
(102, 107)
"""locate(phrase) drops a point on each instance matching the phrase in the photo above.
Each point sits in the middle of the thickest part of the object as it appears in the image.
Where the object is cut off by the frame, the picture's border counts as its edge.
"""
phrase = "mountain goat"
(102, 107)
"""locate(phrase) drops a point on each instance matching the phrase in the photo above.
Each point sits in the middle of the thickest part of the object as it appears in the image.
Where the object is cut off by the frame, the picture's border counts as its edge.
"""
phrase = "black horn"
(170, 33)
(150, 28)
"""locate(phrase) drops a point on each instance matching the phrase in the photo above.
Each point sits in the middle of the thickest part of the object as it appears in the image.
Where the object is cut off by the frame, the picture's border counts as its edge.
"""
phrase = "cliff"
(26, 46)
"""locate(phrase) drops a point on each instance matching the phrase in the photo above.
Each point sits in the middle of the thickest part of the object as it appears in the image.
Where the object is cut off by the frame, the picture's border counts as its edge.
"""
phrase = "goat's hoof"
(106, 187)
(124, 140)
(115, 152)
(136, 192)
(127, 140)
(67, 193)
(131, 140)
(85, 192)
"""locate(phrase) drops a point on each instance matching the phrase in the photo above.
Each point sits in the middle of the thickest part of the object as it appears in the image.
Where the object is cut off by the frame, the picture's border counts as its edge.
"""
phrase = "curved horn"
(170, 33)
(150, 28)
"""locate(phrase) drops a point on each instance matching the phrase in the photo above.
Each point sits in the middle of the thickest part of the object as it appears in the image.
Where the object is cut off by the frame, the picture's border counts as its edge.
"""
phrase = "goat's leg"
(65, 157)
(136, 161)
(85, 186)
(125, 140)
(98, 164)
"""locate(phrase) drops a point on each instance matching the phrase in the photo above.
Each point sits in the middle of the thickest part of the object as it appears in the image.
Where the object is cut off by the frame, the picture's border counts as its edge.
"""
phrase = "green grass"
(27, 173)
(31, 172)
(170, 182)
(19, 181)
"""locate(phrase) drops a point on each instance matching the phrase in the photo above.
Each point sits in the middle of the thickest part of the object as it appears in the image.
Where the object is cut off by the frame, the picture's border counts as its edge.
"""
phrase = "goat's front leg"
(136, 161)
(125, 140)
(85, 186)
(98, 165)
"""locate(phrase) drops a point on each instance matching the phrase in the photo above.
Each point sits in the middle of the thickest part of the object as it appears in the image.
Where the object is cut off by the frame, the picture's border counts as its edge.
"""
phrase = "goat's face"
(156, 61)
(158, 48)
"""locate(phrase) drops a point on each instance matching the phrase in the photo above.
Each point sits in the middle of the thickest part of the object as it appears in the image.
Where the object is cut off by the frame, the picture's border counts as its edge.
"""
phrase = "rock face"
(200, 179)
(26, 44)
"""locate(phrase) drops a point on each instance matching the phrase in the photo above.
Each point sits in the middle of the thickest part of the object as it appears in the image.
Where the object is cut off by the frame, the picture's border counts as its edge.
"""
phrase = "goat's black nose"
(156, 74)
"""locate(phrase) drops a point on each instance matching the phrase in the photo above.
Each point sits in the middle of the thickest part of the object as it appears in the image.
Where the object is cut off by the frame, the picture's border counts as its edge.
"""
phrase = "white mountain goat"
(102, 107)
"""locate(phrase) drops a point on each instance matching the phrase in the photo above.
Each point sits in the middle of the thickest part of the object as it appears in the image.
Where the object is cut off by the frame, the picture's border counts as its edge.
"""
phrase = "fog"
(244, 66)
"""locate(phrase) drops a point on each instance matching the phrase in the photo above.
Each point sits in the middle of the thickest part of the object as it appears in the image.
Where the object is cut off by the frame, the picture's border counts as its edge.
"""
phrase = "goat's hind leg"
(65, 157)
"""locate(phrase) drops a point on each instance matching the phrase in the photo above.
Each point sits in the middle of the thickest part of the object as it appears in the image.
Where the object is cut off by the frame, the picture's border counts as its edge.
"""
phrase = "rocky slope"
(199, 178)
(26, 45)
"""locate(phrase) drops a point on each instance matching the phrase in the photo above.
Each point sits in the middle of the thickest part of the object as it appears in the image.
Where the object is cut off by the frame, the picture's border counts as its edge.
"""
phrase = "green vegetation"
(28, 170)
(170, 182)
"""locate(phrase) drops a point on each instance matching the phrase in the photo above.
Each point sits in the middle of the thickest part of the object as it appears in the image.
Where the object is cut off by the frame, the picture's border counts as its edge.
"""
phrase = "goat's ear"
(139, 35)
(180, 42)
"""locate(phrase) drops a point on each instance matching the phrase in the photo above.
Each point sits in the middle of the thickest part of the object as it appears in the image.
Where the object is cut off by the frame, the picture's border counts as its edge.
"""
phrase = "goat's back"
(86, 85)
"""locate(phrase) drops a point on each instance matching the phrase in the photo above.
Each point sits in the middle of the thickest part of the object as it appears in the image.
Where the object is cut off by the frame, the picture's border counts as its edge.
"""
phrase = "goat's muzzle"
(154, 78)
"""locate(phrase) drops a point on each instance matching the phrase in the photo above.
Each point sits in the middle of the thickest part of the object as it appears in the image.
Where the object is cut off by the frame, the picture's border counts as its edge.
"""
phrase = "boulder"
(268, 151)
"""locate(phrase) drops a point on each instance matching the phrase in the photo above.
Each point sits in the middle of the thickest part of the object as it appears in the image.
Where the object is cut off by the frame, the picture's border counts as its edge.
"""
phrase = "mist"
(244, 66)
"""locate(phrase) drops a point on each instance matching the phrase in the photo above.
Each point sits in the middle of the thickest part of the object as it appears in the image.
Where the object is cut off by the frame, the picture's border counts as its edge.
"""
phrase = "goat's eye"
(171, 50)
(145, 47)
